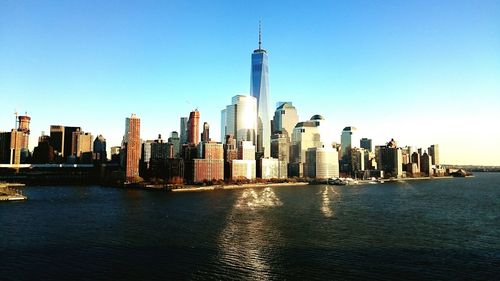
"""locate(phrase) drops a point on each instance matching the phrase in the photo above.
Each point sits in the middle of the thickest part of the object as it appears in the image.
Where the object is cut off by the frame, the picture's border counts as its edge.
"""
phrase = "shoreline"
(262, 185)
(195, 188)
(236, 186)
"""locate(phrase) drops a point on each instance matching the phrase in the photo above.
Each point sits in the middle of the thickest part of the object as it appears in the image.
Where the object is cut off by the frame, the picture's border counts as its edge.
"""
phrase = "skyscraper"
(175, 141)
(193, 127)
(57, 139)
(19, 140)
(99, 149)
(68, 140)
(280, 149)
(305, 135)
(426, 164)
(241, 118)
(61, 139)
(183, 131)
(259, 88)
(5, 147)
(390, 159)
(44, 152)
(366, 143)
(132, 142)
(285, 118)
(81, 142)
(347, 139)
(205, 135)
(245, 165)
(434, 154)
(347, 142)
(321, 163)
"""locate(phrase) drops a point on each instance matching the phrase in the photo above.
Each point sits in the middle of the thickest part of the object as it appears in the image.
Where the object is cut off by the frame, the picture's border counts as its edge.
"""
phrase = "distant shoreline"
(262, 185)
(237, 186)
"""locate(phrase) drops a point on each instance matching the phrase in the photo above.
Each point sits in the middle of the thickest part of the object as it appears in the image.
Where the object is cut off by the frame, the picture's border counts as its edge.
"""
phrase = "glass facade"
(285, 118)
(259, 88)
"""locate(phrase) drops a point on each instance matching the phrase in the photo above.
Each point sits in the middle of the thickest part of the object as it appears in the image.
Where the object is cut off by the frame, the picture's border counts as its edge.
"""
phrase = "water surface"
(440, 229)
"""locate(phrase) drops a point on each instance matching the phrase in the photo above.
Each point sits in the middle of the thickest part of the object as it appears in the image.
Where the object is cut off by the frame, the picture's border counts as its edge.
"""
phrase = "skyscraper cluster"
(252, 145)
(14, 144)
(65, 144)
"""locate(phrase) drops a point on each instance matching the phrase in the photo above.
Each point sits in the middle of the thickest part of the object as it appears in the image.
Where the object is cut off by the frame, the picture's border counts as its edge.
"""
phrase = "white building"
(285, 118)
(322, 163)
(270, 168)
(240, 119)
(243, 169)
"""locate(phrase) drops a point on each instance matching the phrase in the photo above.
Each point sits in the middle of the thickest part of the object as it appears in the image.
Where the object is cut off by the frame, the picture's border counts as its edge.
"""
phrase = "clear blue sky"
(420, 71)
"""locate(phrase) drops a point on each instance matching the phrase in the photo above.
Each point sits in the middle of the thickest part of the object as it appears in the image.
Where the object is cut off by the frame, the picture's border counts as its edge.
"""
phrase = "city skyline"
(419, 94)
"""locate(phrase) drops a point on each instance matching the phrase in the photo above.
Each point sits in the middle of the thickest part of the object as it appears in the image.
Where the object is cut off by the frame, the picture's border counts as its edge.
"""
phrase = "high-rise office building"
(57, 139)
(358, 159)
(19, 139)
(116, 154)
(366, 144)
(175, 141)
(100, 153)
(183, 132)
(68, 140)
(245, 165)
(5, 151)
(434, 154)
(61, 139)
(285, 118)
(426, 164)
(43, 152)
(246, 150)
(205, 135)
(347, 140)
(193, 127)
(146, 153)
(305, 135)
(211, 166)
(415, 158)
(132, 141)
(321, 163)
(161, 150)
(280, 149)
(24, 129)
(243, 169)
(259, 88)
(230, 154)
(390, 159)
(241, 119)
(269, 168)
(81, 142)
(213, 150)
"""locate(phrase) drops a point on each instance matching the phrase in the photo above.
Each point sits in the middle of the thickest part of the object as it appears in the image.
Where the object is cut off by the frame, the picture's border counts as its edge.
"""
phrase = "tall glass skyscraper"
(239, 118)
(259, 88)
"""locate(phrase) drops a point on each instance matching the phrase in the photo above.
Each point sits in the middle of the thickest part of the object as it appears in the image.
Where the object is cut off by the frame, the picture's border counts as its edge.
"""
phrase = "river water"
(446, 229)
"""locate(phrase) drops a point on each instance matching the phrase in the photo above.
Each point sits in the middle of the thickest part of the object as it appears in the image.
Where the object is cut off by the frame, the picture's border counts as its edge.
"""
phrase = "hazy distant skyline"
(421, 72)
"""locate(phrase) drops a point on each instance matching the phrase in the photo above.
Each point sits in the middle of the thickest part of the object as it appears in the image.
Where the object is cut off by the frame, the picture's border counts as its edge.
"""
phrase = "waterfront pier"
(9, 192)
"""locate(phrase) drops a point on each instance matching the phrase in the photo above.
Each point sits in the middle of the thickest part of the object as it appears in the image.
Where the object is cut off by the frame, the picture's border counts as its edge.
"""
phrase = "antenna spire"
(15, 122)
(260, 36)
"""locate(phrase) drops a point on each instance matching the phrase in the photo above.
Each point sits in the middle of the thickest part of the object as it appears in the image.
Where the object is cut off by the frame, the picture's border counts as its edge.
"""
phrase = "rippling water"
(421, 230)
